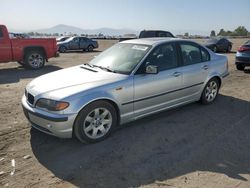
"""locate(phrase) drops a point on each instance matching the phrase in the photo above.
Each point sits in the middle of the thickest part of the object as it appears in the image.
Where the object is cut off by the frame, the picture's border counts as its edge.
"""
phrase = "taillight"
(243, 49)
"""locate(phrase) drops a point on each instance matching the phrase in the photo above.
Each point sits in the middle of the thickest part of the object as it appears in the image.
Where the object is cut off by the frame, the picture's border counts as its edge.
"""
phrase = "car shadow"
(211, 138)
(14, 75)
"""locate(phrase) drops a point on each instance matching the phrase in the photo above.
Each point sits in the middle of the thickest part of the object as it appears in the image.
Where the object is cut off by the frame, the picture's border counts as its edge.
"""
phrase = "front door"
(74, 44)
(154, 92)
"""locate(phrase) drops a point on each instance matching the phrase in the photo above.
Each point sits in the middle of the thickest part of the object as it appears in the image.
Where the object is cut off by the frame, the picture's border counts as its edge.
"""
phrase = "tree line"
(239, 31)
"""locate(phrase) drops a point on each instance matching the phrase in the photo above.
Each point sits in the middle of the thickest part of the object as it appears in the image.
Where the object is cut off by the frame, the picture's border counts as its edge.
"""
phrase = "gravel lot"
(192, 146)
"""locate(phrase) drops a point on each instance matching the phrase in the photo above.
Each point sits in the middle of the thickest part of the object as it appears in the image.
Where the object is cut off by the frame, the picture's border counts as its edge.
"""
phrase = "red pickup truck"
(31, 53)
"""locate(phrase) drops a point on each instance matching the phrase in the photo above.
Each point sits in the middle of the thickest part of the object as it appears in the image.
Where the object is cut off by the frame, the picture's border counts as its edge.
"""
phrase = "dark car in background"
(219, 45)
(243, 56)
(155, 33)
(77, 43)
(61, 39)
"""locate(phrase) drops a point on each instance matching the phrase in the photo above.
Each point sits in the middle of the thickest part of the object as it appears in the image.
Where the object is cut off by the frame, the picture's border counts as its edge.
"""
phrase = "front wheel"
(34, 59)
(210, 91)
(95, 122)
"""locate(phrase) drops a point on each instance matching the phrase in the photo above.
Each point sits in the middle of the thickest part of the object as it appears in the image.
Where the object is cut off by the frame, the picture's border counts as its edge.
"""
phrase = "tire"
(229, 48)
(240, 67)
(95, 122)
(215, 49)
(62, 49)
(210, 91)
(90, 48)
(34, 59)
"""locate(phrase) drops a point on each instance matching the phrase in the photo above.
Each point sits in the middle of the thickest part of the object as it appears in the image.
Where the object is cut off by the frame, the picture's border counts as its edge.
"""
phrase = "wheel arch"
(33, 48)
(112, 102)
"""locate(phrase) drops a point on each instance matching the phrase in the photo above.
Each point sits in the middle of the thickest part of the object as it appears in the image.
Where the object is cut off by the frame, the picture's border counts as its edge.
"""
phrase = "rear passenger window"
(162, 34)
(205, 55)
(191, 54)
(1, 33)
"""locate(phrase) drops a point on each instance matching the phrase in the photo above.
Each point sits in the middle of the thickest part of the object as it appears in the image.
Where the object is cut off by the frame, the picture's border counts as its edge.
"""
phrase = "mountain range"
(67, 29)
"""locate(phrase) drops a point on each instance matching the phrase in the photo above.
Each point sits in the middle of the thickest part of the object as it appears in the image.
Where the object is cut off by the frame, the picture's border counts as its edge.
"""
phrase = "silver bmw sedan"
(130, 80)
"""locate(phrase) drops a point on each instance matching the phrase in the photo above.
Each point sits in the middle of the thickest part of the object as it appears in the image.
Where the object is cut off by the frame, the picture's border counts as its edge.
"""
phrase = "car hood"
(66, 82)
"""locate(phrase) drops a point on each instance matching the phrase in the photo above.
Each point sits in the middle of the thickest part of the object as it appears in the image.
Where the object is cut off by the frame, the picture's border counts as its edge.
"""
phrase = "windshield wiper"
(104, 68)
(86, 64)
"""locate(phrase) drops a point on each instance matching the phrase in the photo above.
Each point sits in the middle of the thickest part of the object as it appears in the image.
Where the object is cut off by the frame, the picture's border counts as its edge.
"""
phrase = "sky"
(195, 16)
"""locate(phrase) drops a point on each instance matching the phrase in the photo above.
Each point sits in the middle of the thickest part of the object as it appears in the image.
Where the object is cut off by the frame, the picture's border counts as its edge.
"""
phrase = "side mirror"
(151, 69)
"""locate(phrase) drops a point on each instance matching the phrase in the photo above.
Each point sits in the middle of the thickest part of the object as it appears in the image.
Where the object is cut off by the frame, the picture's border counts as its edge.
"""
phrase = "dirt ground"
(192, 146)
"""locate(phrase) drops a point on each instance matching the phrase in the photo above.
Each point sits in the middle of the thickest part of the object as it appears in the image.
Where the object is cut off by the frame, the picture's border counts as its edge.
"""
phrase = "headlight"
(52, 105)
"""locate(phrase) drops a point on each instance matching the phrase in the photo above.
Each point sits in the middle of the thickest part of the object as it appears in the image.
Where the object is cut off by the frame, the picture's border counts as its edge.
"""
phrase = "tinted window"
(1, 32)
(164, 57)
(162, 34)
(205, 55)
(147, 34)
(84, 39)
(76, 40)
(190, 54)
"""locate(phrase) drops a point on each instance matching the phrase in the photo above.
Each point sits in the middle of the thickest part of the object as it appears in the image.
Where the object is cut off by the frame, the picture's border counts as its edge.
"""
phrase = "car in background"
(61, 39)
(149, 34)
(128, 81)
(155, 33)
(77, 43)
(31, 53)
(219, 45)
(243, 56)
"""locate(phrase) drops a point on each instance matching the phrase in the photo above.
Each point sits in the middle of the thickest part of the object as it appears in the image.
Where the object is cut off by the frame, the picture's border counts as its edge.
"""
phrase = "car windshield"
(121, 58)
(247, 43)
(69, 39)
(212, 41)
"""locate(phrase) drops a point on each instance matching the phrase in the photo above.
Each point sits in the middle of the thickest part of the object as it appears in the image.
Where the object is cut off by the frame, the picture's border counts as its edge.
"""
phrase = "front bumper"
(60, 125)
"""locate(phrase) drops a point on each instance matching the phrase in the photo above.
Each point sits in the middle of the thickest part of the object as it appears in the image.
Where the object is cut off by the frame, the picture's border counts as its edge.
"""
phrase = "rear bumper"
(53, 124)
(242, 59)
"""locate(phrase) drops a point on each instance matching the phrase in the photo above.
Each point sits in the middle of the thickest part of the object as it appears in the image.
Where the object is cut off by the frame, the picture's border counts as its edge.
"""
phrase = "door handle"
(205, 67)
(176, 74)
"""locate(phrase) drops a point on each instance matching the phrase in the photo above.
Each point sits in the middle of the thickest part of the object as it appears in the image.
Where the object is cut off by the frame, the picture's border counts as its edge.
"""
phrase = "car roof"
(154, 41)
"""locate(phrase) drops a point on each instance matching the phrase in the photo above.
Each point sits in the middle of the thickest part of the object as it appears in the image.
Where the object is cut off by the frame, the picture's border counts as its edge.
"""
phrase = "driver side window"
(163, 56)
(76, 40)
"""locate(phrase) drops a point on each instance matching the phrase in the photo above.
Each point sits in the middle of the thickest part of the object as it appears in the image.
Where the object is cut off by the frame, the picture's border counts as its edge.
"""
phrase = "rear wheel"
(210, 91)
(240, 67)
(90, 48)
(34, 59)
(95, 122)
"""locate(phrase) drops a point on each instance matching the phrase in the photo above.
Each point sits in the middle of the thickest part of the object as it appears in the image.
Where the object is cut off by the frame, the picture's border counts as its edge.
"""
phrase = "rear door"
(153, 92)
(83, 43)
(195, 68)
(5, 47)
